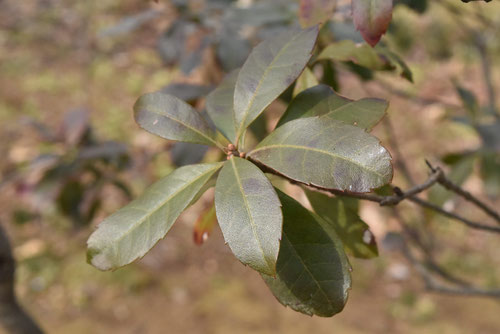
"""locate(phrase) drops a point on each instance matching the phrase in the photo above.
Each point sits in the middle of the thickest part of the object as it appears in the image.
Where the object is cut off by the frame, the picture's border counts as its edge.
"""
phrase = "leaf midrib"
(161, 113)
(316, 150)
(247, 207)
(157, 207)
(264, 76)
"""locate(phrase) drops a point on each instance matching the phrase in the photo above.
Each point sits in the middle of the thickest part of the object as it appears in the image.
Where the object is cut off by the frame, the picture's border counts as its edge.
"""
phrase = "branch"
(13, 319)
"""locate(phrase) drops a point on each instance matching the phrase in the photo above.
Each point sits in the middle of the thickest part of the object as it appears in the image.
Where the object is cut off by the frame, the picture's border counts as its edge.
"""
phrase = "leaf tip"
(98, 260)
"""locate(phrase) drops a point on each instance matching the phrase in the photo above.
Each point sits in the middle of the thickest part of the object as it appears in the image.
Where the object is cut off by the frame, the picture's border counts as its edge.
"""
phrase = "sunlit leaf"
(327, 153)
(313, 273)
(220, 105)
(372, 18)
(132, 231)
(322, 101)
(360, 54)
(249, 214)
(304, 81)
(313, 12)
(271, 67)
(171, 118)
(355, 234)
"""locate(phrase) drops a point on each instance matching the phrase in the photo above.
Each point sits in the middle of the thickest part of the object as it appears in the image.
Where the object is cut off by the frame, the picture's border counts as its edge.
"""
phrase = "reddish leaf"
(204, 225)
(372, 18)
(312, 12)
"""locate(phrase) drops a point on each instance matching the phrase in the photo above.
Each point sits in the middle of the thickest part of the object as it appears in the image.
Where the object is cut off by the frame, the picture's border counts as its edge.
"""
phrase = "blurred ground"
(52, 61)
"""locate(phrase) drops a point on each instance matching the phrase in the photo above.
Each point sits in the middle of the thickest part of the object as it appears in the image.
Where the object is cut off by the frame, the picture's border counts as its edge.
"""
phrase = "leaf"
(372, 18)
(304, 81)
(313, 273)
(360, 54)
(340, 214)
(249, 214)
(304, 101)
(271, 67)
(183, 154)
(313, 12)
(396, 61)
(327, 153)
(132, 231)
(186, 92)
(204, 225)
(220, 105)
(321, 101)
(232, 51)
(171, 118)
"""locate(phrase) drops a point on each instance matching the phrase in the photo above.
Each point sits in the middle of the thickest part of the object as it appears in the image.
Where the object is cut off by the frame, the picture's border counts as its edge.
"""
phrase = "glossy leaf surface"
(171, 118)
(313, 273)
(249, 214)
(271, 67)
(327, 153)
(132, 231)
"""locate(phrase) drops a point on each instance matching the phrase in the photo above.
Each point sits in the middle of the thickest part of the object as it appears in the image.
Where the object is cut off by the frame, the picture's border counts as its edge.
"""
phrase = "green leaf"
(171, 118)
(342, 216)
(490, 172)
(304, 81)
(133, 230)
(271, 67)
(347, 50)
(313, 273)
(327, 153)
(372, 18)
(396, 61)
(249, 214)
(320, 101)
(220, 105)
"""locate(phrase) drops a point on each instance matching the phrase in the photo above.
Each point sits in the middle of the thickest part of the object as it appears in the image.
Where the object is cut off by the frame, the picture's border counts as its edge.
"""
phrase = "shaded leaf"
(321, 101)
(232, 51)
(372, 18)
(469, 100)
(249, 214)
(326, 153)
(133, 230)
(313, 273)
(490, 135)
(220, 106)
(313, 12)
(304, 81)
(171, 118)
(360, 54)
(271, 67)
(183, 154)
(129, 23)
(204, 225)
(396, 61)
(341, 215)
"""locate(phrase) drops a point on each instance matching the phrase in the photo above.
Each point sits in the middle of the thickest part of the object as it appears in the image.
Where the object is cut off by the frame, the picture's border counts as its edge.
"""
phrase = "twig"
(454, 216)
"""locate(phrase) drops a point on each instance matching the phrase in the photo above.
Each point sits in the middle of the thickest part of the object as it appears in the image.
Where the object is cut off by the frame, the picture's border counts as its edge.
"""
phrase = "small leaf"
(313, 273)
(360, 54)
(372, 18)
(321, 101)
(313, 12)
(271, 67)
(186, 92)
(204, 225)
(171, 118)
(327, 153)
(355, 234)
(490, 173)
(304, 81)
(132, 231)
(220, 105)
(249, 214)
(396, 61)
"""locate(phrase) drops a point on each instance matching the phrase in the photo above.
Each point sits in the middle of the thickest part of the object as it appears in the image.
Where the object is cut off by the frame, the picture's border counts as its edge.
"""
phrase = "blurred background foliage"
(69, 75)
